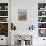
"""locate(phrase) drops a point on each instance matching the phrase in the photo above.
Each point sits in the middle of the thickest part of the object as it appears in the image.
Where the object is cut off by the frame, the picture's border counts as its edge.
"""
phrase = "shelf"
(3, 16)
(42, 37)
(41, 22)
(42, 16)
(41, 10)
(42, 19)
(4, 19)
(3, 22)
(41, 28)
(3, 10)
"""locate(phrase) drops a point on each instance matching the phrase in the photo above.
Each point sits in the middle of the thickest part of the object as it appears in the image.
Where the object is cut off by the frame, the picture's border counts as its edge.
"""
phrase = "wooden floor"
(3, 45)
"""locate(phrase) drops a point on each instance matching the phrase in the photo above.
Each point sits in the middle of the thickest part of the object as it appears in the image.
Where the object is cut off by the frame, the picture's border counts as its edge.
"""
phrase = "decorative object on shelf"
(3, 19)
(4, 29)
(4, 26)
(22, 14)
(3, 13)
(0, 7)
(3, 6)
(31, 27)
(43, 13)
(6, 7)
(13, 27)
(45, 7)
(42, 32)
(40, 25)
(41, 19)
(41, 6)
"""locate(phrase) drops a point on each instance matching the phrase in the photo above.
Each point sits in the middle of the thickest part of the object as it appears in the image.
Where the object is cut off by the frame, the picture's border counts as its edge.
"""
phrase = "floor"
(3, 45)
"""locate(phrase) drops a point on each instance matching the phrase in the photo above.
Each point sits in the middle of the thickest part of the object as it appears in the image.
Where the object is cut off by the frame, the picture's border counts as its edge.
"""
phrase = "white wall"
(32, 14)
(31, 6)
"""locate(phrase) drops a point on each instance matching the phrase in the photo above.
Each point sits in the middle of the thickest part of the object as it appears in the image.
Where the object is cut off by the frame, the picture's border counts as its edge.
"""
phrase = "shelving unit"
(42, 19)
(4, 19)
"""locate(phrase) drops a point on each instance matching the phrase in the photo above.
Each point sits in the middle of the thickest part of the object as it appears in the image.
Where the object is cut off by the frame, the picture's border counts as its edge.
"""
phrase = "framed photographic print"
(22, 14)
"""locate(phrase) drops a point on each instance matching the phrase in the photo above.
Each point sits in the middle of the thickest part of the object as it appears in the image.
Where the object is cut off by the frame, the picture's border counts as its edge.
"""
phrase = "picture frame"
(22, 14)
